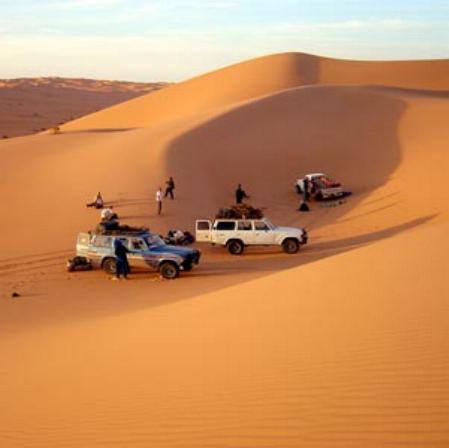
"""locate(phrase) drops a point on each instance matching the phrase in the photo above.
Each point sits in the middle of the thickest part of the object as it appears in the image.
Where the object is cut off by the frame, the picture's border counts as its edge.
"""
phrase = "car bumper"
(192, 259)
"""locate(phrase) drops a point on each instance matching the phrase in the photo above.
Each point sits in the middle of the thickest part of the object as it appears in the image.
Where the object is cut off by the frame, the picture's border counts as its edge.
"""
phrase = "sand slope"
(342, 345)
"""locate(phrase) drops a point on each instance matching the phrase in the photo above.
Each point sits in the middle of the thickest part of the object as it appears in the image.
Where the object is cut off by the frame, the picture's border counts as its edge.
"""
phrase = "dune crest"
(262, 76)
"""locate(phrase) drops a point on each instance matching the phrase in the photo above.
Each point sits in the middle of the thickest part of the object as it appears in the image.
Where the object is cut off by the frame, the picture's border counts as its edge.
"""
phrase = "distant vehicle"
(321, 187)
(147, 250)
(236, 234)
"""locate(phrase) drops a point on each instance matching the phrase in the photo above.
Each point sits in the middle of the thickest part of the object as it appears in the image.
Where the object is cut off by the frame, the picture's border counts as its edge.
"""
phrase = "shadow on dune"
(218, 268)
(442, 94)
(97, 130)
(271, 260)
(349, 132)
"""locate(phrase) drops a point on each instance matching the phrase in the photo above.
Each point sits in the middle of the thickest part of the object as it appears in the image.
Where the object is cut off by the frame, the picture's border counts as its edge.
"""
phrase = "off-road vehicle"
(147, 250)
(321, 187)
(236, 234)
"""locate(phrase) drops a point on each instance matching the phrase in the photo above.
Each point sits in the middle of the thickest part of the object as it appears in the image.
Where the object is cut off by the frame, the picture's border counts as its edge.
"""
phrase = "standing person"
(170, 187)
(121, 260)
(159, 200)
(240, 194)
(306, 189)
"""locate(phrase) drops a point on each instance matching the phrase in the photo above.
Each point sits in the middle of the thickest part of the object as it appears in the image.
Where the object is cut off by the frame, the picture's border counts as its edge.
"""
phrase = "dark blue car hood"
(176, 250)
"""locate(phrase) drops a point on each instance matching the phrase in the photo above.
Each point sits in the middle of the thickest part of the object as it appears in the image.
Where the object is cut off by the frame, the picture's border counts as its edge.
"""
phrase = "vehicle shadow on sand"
(216, 271)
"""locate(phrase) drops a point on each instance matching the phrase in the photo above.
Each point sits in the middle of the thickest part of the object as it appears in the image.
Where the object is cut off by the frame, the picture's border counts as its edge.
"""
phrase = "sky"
(171, 40)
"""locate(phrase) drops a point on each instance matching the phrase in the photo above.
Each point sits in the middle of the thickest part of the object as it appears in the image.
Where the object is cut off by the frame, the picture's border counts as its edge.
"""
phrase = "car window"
(154, 240)
(244, 225)
(203, 225)
(225, 225)
(260, 225)
(137, 244)
(102, 241)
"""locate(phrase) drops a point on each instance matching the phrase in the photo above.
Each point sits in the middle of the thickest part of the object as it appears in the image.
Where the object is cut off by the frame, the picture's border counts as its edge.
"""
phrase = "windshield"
(269, 223)
(154, 240)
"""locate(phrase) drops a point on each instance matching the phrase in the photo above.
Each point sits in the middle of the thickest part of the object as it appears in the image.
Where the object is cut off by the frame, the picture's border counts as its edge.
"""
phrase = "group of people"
(107, 213)
(169, 189)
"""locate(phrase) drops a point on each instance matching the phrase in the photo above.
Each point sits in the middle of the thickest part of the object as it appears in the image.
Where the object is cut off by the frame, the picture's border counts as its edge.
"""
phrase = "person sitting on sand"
(97, 203)
(240, 194)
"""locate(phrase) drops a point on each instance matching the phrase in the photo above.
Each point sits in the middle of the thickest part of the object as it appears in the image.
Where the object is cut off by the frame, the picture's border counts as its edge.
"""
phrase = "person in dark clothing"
(121, 259)
(170, 187)
(306, 187)
(240, 194)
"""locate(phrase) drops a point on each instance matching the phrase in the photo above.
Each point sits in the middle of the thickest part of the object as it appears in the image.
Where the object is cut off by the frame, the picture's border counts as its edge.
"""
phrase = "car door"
(101, 247)
(203, 231)
(263, 234)
(137, 247)
(223, 231)
(245, 231)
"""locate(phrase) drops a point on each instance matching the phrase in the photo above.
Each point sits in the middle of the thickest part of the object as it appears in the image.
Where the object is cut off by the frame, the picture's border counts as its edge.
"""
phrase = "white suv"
(235, 234)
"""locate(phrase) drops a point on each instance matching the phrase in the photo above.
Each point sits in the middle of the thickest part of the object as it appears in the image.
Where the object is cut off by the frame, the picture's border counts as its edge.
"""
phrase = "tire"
(290, 246)
(169, 270)
(319, 196)
(298, 189)
(109, 265)
(235, 247)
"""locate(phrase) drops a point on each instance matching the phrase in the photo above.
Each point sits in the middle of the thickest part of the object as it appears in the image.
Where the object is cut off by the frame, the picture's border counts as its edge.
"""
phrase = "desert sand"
(31, 105)
(342, 345)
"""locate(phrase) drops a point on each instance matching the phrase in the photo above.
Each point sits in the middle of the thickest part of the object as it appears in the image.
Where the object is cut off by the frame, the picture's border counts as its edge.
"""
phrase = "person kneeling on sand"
(121, 259)
(97, 203)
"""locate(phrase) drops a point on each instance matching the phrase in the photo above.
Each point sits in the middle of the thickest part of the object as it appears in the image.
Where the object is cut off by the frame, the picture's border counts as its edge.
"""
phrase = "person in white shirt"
(107, 214)
(159, 200)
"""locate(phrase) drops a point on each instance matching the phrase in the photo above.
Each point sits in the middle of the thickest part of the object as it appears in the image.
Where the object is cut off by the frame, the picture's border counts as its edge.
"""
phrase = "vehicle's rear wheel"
(235, 247)
(319, 196)
(110, 265)
(169, 270)
(290, 246)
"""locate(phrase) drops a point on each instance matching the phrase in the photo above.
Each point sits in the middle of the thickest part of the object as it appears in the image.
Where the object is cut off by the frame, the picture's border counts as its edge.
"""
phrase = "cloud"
(71, 4)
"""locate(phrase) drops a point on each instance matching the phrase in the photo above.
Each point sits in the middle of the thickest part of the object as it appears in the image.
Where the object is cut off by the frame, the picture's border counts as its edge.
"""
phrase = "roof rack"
(122, 231)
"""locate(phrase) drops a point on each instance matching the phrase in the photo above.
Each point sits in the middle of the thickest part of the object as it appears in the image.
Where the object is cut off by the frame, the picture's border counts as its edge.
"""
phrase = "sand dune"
(342, 345)
(31, 105)
(262, 76)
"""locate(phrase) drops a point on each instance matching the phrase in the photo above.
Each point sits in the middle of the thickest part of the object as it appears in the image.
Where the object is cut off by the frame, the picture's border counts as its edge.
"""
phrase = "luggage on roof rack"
(118, 229)
(240, 211)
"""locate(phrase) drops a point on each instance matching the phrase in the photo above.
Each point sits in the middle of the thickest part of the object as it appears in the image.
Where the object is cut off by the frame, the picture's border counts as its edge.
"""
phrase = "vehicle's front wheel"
(110, 265)
(290, 246)
(169, 270)
(235, 247)
(188, 267)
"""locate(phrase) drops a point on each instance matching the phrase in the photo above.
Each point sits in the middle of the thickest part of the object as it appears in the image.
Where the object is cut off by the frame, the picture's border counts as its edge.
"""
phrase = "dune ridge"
(342, 345)
(262, 76)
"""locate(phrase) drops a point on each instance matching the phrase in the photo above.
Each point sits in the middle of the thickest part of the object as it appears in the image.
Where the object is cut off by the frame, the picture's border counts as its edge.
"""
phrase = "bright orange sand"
(342, 345)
